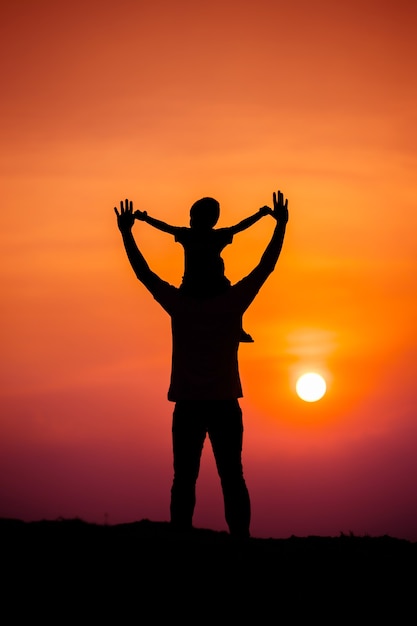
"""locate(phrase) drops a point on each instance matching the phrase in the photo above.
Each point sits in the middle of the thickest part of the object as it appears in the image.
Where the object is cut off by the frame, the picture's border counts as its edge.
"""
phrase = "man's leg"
(225, 428)
(188, 434)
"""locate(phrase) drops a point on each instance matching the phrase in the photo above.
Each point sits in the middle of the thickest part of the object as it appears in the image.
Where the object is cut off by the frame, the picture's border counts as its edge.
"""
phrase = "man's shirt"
(205, 338)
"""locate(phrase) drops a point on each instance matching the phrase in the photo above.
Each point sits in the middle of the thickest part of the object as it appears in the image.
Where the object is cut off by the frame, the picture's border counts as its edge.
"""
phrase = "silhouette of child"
(203, 265)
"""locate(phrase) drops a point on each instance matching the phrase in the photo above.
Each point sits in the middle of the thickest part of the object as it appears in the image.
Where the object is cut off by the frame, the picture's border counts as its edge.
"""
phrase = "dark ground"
(143, 572)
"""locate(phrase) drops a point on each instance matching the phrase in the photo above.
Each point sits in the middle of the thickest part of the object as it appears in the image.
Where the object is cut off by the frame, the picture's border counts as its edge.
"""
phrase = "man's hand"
(126, 218)
(280, 211)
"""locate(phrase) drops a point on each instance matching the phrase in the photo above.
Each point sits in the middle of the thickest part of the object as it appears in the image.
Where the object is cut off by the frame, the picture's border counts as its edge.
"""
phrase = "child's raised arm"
(166, 228)
(249, 221)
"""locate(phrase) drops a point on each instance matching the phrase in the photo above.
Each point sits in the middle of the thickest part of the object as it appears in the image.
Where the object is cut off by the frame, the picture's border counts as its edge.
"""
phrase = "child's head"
(204, 213)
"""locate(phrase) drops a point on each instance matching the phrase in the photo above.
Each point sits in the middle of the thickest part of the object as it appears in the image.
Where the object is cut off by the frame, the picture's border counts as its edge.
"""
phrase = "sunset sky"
(165, 102)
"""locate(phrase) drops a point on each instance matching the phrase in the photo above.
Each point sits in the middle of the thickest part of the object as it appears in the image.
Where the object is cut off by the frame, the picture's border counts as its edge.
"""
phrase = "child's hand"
(265, 210)
(140, 215)
(280, 211)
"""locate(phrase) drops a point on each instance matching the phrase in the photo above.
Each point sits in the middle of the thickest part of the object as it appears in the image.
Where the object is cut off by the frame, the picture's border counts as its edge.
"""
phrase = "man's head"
(204, 213)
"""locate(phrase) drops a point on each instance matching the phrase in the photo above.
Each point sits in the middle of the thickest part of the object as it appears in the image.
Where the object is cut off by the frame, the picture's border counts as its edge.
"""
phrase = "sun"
(311, 387)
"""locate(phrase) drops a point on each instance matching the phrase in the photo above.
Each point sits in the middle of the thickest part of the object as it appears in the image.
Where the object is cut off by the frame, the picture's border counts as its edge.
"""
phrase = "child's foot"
(245, 337)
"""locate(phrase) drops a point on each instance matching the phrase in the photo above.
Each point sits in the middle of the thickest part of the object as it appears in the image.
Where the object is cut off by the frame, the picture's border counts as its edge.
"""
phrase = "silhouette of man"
(205, 383)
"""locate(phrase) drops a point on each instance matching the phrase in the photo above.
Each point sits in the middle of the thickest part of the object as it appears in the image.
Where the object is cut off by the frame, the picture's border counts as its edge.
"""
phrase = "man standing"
(205, 383)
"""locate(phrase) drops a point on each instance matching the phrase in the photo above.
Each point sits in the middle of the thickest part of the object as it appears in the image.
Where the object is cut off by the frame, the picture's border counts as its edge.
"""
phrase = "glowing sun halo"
(311, 387)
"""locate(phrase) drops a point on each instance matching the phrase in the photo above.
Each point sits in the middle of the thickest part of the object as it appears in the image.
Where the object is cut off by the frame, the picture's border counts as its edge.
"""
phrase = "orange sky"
(164, 103)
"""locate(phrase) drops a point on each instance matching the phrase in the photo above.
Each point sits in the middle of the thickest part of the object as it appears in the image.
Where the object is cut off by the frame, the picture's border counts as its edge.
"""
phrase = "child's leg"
(245, 337)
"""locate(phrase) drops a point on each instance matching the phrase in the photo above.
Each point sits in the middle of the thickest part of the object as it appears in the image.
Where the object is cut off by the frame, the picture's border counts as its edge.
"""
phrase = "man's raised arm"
(125, 221)
(254, 281)
(273, 250)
